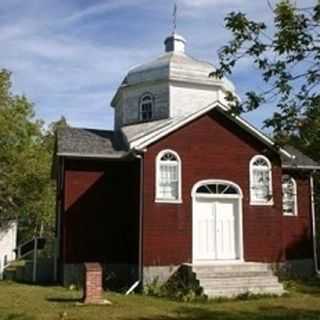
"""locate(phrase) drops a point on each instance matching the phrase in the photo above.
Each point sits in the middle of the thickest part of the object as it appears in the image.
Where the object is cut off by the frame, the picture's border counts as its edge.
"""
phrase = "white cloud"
(62, 73)
(101, 8)
(67, 72)
(211, 3)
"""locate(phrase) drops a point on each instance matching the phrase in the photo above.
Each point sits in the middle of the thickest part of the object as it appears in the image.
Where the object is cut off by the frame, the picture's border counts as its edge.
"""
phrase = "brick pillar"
(92, 283)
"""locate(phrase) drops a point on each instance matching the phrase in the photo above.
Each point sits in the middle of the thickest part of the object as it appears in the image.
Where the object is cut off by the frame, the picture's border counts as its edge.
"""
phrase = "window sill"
(290, 215)
(179, 201)
(261, 204)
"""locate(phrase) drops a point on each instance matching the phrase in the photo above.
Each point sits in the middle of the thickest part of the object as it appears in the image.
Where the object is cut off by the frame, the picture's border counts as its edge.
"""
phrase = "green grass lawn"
(27, 302)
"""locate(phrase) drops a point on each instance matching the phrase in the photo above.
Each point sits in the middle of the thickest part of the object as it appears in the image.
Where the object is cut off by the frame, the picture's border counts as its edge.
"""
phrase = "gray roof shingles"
(79, 142)
(300, 160)
(89, 143)
(137, 130)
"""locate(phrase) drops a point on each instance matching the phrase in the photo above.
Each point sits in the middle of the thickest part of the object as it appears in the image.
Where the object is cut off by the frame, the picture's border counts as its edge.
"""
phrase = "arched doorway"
(216, 222)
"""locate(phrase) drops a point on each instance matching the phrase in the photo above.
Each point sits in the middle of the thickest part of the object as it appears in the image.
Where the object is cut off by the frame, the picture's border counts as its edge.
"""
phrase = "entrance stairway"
(231, 280)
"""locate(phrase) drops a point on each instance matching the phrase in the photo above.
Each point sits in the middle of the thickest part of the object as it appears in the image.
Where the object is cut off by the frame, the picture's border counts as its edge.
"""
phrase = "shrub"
(177, 287)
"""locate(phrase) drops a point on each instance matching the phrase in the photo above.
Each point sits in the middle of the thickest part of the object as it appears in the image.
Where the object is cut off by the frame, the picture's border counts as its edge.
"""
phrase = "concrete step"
(240, 285)
(238, 282)
(234, 292)
(236, 267)
(230, 280)
(9, 274)
(229, 274)
(13, 270)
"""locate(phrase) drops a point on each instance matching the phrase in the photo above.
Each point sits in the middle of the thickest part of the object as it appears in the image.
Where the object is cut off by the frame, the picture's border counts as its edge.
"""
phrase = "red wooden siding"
(101, 212)
(297, 230)
(211, 147)
(100, 219)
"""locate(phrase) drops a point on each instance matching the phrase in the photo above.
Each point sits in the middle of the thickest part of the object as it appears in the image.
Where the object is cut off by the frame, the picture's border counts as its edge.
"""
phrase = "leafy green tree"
(27, 191)
(18, 134)
(287, 53)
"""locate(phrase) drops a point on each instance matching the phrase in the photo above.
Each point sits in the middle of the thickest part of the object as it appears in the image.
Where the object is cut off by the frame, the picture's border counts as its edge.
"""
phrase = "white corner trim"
(142, 142)
(314, 229)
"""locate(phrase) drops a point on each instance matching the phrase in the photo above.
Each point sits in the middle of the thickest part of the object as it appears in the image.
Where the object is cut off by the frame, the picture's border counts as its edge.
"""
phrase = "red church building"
(182, 182)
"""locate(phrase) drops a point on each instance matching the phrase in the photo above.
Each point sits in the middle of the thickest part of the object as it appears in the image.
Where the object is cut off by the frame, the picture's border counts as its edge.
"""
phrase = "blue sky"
(68, 57)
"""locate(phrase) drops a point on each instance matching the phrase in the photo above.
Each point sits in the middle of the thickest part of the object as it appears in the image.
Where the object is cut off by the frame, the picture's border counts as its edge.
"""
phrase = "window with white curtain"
(289, 196)
(168, 177)
(260, 181)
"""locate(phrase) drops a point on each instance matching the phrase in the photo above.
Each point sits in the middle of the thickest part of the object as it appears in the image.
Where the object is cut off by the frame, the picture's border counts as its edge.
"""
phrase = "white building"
(8, 242)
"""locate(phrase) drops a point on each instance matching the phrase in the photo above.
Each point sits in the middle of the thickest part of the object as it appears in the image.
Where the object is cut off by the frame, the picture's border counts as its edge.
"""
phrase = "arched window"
(260, 181)
(217, 189)
(146, 107)
(289, 196)
(168, 177)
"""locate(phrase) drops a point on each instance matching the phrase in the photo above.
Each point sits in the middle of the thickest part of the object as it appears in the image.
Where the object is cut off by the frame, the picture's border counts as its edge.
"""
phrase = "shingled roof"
(301, 161)
(91, 143)
(79, 142)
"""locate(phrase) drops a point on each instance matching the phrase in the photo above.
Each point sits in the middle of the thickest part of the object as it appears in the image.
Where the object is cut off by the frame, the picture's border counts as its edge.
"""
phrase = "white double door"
(215, 231)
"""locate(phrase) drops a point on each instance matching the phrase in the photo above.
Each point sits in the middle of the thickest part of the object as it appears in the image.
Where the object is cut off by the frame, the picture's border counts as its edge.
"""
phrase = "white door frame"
(238, 196)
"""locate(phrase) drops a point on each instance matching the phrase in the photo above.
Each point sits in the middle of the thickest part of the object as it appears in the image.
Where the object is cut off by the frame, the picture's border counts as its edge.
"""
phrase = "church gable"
(158, 131)
(215, 131)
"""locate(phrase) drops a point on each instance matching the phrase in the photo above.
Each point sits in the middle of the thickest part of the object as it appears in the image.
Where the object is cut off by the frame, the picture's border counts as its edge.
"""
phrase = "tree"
(27, 191)
(287, 54)
(18, 134)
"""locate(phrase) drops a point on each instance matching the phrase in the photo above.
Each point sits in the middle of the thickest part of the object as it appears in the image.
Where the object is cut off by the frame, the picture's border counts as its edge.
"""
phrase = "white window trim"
(157, 167)
(254, 202)
(295, 213)
(147, 94)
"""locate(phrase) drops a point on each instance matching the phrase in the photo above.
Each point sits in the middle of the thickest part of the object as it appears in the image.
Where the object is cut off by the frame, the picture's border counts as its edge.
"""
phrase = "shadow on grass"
(16, 316)
(305, 286)
(265, 313)
(63, 300)
(29, 283)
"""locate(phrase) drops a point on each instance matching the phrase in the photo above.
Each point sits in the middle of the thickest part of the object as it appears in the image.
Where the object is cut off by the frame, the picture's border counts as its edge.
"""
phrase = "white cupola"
(175, 43)
(170, 86)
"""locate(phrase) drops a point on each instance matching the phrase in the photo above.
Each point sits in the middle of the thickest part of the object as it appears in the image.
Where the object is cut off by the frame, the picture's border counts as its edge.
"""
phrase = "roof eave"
(301, 167)
(116, 97)
(93, 156)
(261, 136)
(141, 143)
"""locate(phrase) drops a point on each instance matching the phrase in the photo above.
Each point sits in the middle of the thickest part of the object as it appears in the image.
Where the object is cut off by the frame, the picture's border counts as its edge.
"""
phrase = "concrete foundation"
(115, 276)
(303, 268)
(122, 276)
(293, 268)
(159, 273)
